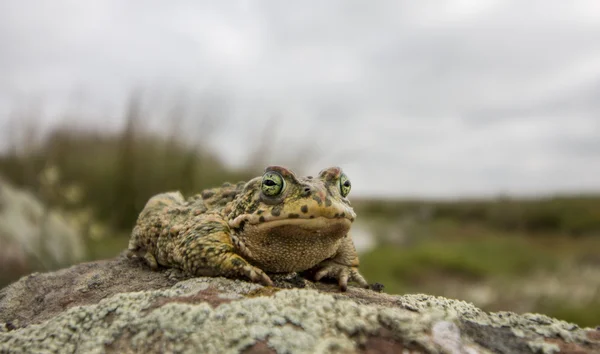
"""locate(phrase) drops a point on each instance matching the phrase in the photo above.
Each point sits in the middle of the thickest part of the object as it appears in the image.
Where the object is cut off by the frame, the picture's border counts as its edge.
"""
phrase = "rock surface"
(121, 306)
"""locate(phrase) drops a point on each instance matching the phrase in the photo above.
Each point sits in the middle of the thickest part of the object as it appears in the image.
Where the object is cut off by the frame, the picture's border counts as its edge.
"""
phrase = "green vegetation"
(587, 314)
(572, 215)
(113, 174)
(115, 181)
(503, 254)
(495, 269)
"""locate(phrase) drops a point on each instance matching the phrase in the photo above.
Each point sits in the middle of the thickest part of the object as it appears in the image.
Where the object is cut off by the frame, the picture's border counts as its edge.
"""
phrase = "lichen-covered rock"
(30, 232)
(121, 306)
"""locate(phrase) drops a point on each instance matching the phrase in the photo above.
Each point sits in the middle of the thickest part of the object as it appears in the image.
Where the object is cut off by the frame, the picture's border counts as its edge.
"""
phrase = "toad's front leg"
(211, 253)
(343, 266)
(200, 245)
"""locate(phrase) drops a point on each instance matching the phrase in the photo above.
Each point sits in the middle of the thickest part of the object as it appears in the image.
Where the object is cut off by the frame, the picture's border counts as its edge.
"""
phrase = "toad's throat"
(284, 246)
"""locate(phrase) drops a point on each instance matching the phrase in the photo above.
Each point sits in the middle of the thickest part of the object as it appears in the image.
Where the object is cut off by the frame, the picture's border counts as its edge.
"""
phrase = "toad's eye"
(344, 185)
(272, 184)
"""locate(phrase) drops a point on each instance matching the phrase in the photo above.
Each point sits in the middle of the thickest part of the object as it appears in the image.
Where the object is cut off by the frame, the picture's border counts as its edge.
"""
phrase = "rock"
(32, 235)
(120, 305)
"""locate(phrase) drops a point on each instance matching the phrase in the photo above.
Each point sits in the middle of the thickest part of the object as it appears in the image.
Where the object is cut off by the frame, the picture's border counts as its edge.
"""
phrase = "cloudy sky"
(411, 98)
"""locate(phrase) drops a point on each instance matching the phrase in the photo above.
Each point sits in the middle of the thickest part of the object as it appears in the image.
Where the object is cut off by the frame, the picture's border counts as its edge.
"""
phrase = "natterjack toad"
(275, 223)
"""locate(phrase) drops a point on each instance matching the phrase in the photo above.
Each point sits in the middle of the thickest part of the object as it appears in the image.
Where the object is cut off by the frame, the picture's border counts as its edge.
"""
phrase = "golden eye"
(345, 185)
(272, 184)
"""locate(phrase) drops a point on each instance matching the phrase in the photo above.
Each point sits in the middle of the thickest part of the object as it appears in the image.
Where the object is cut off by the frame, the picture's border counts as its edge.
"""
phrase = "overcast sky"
(411, 98)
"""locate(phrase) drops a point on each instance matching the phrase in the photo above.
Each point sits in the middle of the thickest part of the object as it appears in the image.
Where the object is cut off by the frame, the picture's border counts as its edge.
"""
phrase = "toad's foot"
(342, 273)
(218, 259)
(256, 275)
(146, 256)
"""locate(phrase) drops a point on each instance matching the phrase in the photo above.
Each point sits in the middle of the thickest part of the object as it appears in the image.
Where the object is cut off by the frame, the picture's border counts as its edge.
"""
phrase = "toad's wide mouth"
(320, 222)
(306, 222)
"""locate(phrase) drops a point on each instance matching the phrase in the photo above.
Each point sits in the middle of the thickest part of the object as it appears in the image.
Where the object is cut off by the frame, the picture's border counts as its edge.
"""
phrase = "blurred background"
(470, 131)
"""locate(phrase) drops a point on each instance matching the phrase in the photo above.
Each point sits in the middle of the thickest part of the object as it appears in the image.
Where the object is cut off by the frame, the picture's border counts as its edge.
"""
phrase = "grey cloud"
(455, 99)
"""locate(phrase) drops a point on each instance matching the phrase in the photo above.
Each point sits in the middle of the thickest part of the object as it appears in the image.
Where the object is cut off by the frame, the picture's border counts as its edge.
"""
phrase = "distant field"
(552, 273)
(571, 215)
(503, 253)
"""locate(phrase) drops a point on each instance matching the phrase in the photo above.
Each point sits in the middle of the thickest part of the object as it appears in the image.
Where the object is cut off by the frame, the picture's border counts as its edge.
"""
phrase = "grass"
(452, 259)
(473, 259)
(586, 315)
(107, 247)
(574, 215)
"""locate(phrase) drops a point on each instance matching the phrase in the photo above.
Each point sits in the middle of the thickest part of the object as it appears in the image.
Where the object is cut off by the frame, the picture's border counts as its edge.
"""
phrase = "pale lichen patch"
(319, 322)
(543, 347)
(298, 320)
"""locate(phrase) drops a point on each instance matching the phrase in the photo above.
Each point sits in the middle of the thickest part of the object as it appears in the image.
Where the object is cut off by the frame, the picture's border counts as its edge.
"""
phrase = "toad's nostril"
(307, 191)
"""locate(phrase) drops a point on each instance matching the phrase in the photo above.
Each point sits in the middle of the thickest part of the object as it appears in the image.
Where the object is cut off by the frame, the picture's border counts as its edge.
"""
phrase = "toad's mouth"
(307, 222)
(320, 222)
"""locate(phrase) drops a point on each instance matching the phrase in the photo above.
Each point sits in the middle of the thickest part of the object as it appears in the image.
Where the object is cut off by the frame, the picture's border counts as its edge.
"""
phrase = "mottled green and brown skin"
(239, 231)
